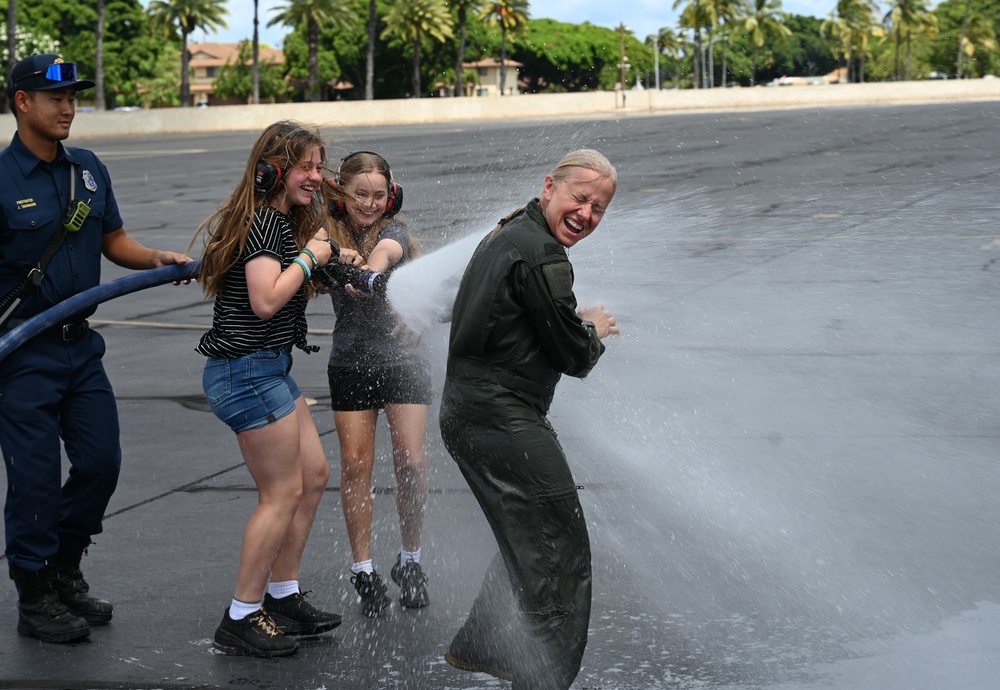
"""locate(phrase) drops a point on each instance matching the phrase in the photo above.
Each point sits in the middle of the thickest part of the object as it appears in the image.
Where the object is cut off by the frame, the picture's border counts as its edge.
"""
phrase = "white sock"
(280, 590)
(407, 556)
(239, 610)
(363, 567)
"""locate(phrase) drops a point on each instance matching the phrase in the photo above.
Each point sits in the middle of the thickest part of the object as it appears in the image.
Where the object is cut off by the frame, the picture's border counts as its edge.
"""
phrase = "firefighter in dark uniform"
(56, 386)
(516, 329)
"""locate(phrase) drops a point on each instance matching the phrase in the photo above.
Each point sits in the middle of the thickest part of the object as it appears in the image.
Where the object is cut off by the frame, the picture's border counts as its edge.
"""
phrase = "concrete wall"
(593, 104)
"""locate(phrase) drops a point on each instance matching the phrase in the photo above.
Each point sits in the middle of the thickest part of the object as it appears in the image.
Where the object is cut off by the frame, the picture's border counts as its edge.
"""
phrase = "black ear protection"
(393, 204)
(266, 178)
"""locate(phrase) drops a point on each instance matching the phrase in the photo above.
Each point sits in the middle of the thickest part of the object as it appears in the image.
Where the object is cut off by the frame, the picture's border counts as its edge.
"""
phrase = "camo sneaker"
(372, 591)
(412, 584)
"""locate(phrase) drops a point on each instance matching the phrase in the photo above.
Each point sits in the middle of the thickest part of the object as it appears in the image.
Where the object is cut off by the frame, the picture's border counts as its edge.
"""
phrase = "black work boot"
(68, 583)
(40, 614)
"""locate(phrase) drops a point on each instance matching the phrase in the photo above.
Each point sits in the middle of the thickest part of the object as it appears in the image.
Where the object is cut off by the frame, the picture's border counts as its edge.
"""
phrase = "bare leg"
(356, 431)
(271, 454)
(408, 426)
(315, 472)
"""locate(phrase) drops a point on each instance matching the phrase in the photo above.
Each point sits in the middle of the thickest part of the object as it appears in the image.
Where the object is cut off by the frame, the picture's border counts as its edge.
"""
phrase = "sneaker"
(295, 616)
(412, 584)
(372, 591)
(255, 635)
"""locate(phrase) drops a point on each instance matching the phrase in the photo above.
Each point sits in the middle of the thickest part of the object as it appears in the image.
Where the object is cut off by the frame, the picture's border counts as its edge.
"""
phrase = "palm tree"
(722, 13)
(313, 16)
(977, 31)
(509, 15)
(206, 15)
(693, 17)
(463, 7)
(766, 21)
(370, 52)
(673, 45)
(851, 26)
(905, 18)
(413, 20)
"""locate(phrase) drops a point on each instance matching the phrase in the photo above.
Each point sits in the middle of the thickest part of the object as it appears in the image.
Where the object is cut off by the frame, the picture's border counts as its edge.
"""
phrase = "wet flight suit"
(514, 332)
(55, 386)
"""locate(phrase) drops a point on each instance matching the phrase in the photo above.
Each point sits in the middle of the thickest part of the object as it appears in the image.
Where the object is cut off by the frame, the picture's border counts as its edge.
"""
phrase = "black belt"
(67, 332)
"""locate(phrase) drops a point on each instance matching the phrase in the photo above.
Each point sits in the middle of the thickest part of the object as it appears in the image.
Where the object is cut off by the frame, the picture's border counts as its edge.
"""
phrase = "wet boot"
(72, 589)
(40, 614)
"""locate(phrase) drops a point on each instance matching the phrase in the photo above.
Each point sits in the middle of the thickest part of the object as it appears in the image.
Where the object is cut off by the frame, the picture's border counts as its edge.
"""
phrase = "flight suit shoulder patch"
(559, 278)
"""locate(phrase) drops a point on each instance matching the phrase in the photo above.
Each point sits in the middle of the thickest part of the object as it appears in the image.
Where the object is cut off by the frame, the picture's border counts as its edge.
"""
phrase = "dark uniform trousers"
(512, 460)
(51, 389)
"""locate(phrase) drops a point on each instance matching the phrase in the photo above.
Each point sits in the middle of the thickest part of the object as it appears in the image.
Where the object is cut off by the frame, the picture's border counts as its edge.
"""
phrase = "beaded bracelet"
(312, 257)
(305, 268)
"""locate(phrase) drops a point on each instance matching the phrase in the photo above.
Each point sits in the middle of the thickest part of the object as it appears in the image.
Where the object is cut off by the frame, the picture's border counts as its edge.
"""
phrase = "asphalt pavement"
(787, 459)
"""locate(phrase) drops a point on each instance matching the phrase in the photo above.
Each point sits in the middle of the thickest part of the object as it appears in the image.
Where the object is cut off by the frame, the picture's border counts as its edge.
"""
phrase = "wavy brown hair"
(363, 163)
(283, 144)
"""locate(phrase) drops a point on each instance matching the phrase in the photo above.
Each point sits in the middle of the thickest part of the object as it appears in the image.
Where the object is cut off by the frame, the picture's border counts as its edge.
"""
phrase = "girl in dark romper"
(374, 367)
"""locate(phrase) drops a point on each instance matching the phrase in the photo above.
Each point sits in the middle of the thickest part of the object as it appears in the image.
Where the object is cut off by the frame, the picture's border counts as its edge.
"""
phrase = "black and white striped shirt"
(236, 330)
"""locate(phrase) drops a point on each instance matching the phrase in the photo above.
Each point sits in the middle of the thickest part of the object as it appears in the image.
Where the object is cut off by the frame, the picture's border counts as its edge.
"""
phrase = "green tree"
(509, 15)
(236, 80)
(805, 51)
(765, 23)
(694, 16)
(905, 19)
(977, 32)
(575, 57)
(671, 45)
(850, 26)
(188, 15)
(970, 27)
(723, 13)
(411, 21)
(313, 16)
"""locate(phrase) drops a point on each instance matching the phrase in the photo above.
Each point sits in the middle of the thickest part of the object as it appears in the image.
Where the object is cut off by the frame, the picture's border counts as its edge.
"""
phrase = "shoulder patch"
(559, 278)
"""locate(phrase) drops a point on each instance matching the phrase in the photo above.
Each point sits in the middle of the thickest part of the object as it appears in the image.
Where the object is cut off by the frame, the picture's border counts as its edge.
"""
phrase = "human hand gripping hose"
(65, 310)
(335, 274)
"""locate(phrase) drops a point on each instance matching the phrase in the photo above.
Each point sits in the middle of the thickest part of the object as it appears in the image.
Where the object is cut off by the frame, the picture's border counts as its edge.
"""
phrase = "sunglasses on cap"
(59, 72)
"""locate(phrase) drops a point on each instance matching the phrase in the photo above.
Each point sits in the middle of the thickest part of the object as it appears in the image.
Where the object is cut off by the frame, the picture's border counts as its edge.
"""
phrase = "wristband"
(305, 268)
(312, 257)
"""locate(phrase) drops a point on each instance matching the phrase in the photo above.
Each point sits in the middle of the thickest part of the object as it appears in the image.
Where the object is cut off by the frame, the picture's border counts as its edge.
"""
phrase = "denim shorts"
(251, 391)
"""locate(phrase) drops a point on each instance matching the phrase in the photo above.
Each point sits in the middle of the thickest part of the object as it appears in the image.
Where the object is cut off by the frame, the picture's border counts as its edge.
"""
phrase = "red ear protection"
(266, 178)
(393, 204)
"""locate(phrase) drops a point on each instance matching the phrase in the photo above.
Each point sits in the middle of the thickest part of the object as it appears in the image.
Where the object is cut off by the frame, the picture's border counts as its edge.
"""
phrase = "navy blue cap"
(44, 73)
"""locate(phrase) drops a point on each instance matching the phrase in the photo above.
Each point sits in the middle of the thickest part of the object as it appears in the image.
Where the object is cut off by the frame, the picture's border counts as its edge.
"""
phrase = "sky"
(642, 17)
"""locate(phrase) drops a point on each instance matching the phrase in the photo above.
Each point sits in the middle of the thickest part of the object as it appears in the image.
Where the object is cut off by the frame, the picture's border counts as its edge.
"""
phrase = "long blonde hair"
(283, 144)
(361, 163)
